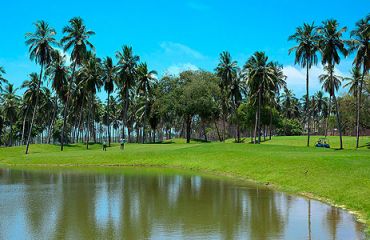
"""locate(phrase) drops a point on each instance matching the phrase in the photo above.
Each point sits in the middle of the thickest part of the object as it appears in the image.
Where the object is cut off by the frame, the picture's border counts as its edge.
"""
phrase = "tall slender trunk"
(24, 124)
(11, 135)
(327, 117)
(188, 128)
(66, 107)
(255, 128)
(108, 120)
(88, 128)
(270, 127)
(35, 108)
(338, 121)
(124, 120)
(259, 115)
(359, 95)
(308, 106)
(53, 120)
(145, 109)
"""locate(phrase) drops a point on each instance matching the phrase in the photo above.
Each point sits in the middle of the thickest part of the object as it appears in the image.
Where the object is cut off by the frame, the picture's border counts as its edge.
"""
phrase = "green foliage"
(289, 127)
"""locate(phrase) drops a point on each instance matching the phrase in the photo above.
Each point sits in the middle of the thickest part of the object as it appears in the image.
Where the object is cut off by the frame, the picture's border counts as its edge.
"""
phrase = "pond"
(141, 203)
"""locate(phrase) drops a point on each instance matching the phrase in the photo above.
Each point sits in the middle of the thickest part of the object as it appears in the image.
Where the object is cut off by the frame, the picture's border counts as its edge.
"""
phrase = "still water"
(158, 204)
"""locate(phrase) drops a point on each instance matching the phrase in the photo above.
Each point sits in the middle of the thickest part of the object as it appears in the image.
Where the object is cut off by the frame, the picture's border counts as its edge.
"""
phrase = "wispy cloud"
(176, 69)
(198, 6)
(178, 49)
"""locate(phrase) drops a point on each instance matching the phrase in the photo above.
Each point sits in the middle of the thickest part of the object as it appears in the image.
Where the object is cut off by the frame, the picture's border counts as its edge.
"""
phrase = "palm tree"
(10, 102)
(2, 79)
(360, 43)
(109, 74)
(57, 73)
(321, 105)
(331, 83)
(126, 76)
(40, 48)
(260, 78)
(289, 104)
(331, 45)
(90, 73)
(146, 79)
(226, 70)
(29, 97)
(76, 39)
(306, 55)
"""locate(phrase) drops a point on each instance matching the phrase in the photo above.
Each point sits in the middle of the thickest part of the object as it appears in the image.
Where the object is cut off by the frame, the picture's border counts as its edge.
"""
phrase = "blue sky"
(175, 35)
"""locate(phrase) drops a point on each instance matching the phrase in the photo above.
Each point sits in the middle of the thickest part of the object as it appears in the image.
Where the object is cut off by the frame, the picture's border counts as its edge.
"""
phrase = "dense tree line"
(234, 101)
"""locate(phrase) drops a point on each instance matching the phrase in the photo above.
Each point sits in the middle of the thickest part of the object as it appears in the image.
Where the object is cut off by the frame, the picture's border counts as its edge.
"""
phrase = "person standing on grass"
(104, 145)
(122, 141)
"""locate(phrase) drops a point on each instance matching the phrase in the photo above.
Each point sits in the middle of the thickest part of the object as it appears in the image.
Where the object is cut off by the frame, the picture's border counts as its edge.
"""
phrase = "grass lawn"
(341, 177)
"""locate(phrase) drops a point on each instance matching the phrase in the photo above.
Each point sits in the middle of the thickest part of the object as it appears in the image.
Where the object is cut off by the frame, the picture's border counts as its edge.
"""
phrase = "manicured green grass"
(340, 177)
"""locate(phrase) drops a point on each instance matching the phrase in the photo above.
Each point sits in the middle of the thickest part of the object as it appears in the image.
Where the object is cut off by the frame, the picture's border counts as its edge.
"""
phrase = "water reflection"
(136, 205)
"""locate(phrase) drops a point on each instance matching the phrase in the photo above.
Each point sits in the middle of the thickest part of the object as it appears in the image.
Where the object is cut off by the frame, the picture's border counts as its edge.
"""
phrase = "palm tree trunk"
(359, 95)
(88, 128)
(35, 108)
(259, 115)
(270, 127)
(53, 120)
(11, 135)
(108, 119)
(217, 130)
(255, 128)
(145, 109)
(338, 121)
(327, 117)
(66, 107)
(188, 128)
(24, 124)
(308, 105)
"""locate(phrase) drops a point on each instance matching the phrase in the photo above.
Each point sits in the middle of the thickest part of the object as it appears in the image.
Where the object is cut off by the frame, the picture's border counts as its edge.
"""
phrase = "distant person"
(104, 146)
(123, 141)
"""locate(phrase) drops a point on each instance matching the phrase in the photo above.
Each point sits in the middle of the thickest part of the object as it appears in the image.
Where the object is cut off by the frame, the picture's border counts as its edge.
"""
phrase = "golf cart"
(323, 142)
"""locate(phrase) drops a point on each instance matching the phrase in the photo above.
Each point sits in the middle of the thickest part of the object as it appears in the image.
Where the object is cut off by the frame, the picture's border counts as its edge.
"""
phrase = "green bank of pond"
(341, 178)
(156, 203)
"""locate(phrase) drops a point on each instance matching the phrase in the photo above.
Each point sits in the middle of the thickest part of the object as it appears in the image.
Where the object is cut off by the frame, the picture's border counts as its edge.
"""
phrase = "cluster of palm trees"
(327, 41)
(252, 98)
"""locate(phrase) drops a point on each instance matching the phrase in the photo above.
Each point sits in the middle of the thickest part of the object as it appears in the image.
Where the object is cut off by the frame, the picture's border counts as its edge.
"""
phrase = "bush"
(289, 127)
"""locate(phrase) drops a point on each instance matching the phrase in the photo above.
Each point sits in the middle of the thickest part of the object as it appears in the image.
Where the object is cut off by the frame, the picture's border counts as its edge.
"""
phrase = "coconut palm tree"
(306, 55)
(58, 73)
(331, 83)
(145, 79)
(331, 45)
(10, 102)
(109, 75)
(126, 76)
(29, 97)
(321, 105)
(90, 73)
(76, 40)
(2, 79)
(226, 70)
(260, 78)
(360, 43)
(40, 44)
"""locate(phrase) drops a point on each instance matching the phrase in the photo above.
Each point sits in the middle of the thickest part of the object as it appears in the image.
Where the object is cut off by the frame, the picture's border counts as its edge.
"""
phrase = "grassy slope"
(340, 177)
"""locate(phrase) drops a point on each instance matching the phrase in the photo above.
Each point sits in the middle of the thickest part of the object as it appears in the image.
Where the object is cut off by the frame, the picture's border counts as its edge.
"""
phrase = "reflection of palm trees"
(333, 217)
(141, 206)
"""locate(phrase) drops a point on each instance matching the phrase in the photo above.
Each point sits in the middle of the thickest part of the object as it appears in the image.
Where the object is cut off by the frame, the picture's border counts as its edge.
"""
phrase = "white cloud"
(176, 69)
(178, 49)
(296, 78)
